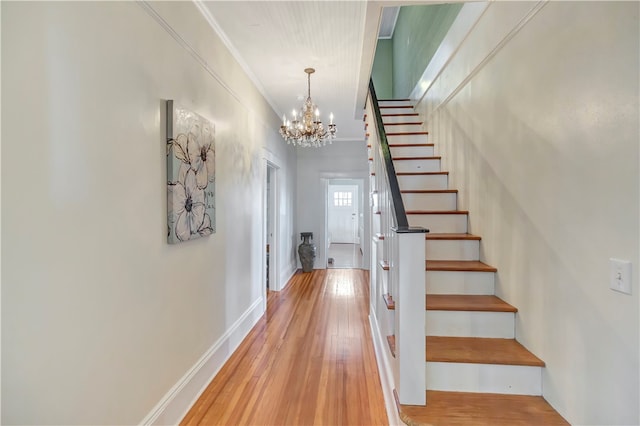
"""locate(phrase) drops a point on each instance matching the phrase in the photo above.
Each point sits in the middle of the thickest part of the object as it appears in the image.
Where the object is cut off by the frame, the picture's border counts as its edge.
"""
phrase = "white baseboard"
(172, 408)
(288, 280)
(386, 372)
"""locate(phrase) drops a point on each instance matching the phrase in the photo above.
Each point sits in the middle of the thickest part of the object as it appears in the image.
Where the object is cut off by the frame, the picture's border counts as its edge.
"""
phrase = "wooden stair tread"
(420, 173)
(404, 114)
(416, 158)
(445, 236)
(477, 350)
(388, 300)
(464, 302)
(468, 408)
(395, 106)
(458, 265)
(437, 212)
(429, 191)
(406, 133)
(391, 341)
(418, 123)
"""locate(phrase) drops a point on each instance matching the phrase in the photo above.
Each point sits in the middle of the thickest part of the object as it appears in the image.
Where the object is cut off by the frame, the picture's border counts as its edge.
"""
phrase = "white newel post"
(408, 271)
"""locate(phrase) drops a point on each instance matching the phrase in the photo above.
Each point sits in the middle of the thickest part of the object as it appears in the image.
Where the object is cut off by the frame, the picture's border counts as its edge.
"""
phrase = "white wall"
(536, 117)
(342, 159)
(100, 316)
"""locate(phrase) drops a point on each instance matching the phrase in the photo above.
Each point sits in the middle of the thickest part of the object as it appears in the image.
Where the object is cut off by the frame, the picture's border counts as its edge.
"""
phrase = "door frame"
(361, 182)
(270, 206)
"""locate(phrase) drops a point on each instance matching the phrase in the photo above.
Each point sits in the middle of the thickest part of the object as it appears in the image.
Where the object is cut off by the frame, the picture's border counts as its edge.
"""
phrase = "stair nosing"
(474, 303)
(452, 236)
(406, 133)
(459, 212)
(388, 300)
(481, 358)
(411, 145)
(476, 405)
(428, 191)
(462, 266)
(420, 173)
(415, 158)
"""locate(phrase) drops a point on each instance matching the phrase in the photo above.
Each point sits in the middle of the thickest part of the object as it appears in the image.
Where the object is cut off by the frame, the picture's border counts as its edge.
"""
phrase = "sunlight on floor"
(345, 256)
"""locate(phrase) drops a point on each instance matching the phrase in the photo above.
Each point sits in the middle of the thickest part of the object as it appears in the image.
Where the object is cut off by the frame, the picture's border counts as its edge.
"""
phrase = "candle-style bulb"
(331, 118)
(317, 113)
(284, 119)
(294, 114)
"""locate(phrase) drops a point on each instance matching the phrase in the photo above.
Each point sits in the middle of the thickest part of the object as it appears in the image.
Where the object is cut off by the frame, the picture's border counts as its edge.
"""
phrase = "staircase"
(476, 371)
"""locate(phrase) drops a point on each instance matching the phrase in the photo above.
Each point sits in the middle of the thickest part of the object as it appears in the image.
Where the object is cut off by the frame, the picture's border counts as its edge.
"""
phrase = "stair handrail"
(399, 213)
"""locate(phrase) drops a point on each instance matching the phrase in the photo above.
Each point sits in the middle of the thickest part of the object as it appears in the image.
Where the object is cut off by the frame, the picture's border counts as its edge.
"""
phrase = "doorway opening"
(344, 223)
(270, 229)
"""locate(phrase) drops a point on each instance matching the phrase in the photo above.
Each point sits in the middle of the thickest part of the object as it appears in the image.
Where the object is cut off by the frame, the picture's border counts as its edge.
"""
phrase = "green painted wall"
(382, 73)
(418, 34)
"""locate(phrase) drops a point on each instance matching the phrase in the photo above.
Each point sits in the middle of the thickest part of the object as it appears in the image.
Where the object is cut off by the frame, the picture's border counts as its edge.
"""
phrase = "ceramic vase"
(306, 251)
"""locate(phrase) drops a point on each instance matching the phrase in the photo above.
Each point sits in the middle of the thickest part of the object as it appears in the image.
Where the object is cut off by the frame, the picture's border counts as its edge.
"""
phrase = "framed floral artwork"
(190, 175)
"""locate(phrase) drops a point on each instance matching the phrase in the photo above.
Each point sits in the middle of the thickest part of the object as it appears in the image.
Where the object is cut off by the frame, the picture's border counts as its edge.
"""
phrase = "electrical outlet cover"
(620, 275)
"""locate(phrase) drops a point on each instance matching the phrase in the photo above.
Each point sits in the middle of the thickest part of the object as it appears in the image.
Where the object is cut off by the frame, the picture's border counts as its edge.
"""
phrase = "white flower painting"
(190, 175)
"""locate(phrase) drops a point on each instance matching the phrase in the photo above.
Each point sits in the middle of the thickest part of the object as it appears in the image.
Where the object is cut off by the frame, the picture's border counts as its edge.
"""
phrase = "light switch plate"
(620, 275)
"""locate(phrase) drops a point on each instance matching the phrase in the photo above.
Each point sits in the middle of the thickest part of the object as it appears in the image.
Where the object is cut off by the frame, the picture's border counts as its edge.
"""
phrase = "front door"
(342, 218)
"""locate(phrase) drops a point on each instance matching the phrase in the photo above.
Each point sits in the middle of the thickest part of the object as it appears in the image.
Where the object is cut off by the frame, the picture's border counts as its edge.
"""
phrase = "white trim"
(175, 404)
(148, 7)
(293, 270)
(385, 371)
(186, 46)
(206, 13)
(525, 19)
(462, 26)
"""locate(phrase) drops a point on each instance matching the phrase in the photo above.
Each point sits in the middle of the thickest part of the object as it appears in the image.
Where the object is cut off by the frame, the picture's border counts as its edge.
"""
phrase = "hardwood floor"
(309, 360)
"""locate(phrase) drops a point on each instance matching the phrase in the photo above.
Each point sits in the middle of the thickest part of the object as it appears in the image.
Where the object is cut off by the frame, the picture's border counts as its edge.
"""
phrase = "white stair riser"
(412, 151)
(400, 118)
(452, 249)
(440, 223)
(394, 102)
(459, 282)
(433, 201)
(407, 139)
(396, 110)
(470, 324)
(402, 128)
(489, 378)
(431, 165)
(417, 182)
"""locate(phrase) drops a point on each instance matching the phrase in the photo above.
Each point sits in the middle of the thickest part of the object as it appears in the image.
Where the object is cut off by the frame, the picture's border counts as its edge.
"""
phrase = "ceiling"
(275, 41)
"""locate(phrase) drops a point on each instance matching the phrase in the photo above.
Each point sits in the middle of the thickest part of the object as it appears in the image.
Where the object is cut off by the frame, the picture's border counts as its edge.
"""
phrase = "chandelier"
(306, 129)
